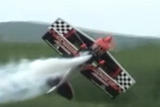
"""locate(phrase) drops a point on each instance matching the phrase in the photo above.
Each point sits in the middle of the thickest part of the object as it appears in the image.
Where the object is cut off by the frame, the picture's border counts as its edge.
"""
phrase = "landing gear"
(83, 46)
(101, 62)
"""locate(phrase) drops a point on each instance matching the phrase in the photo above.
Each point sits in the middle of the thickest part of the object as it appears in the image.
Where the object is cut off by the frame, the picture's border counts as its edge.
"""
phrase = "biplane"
(102, 69)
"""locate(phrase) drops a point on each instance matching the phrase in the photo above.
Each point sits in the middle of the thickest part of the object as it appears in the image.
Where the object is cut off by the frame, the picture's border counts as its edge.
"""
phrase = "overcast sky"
(139, 17)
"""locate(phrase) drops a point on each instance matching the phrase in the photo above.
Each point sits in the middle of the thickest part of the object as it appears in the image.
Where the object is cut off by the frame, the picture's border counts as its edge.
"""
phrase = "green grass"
(143, 63)
(17, 51)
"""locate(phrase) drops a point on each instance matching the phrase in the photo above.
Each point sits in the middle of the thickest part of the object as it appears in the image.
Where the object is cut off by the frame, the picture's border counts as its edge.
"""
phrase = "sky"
(136, 17)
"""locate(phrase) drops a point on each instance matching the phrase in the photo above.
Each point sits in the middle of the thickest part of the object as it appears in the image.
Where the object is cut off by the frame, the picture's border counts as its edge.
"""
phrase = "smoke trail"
(27, 79)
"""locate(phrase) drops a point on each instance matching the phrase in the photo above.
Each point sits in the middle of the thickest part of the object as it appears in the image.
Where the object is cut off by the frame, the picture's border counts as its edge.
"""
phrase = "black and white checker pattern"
(61, 27)
(124, 80)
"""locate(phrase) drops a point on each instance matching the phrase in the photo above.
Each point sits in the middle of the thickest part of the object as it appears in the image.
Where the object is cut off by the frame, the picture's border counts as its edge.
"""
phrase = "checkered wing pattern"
(124, 80)
(61, 27)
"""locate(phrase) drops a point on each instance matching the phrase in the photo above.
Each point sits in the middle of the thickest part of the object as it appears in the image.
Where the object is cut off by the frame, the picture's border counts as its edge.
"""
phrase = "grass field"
(143, 63)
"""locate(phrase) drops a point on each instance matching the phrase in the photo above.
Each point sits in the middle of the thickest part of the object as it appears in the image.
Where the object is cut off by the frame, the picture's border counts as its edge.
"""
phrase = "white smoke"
(27, 79)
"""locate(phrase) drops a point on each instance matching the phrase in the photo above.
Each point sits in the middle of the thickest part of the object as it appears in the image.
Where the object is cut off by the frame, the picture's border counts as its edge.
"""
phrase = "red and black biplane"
(103, 69)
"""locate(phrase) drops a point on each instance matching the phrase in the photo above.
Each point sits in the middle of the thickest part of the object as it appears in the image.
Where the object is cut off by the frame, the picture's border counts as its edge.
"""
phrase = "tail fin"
(66, 90)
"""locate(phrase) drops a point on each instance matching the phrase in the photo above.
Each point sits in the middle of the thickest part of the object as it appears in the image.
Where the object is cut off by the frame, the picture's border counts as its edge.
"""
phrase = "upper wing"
(111, 77)
(66, 39)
